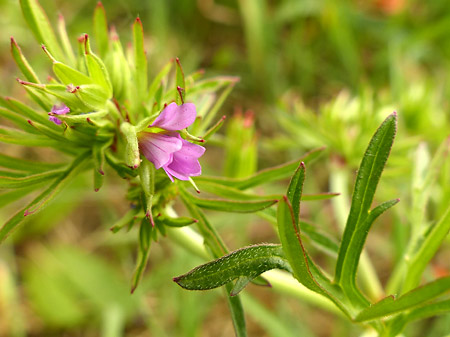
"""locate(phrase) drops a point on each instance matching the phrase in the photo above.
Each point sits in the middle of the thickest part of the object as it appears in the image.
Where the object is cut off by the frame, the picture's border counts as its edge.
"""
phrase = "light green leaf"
(22, 62)
(101, 30)
(39, 24)
(145, 235)
(418, 296)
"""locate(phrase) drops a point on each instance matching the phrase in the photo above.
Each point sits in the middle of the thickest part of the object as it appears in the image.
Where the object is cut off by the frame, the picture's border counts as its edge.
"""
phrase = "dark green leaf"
(369, 174)
(243, 264)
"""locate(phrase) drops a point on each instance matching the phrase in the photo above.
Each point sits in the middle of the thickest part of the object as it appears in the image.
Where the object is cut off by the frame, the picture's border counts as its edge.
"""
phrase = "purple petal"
(158, 148)
(60, 110)
(175, 117)
(55, 120)
(185, 163)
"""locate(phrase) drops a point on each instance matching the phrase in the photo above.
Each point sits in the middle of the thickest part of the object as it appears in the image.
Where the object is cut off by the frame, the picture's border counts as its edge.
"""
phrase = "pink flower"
(166, 149)
(58, 110)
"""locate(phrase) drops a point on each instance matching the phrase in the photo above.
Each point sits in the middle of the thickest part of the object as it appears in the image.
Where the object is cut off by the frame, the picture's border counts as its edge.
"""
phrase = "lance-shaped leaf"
(101, 30)
(140, 61)
(264, 176)
(145, 235)
(242, 265)
(13, 136)
(26, 111)
(92, 95)
(22, 62)
(369, 174)
(418, 296)
(120, 167)
(45, 197)
(98, 156)
(304, 269)
(238, 206)
(20, 182)
(39, 24)
(127, 219)
(118, 69)
(180, 85)
(18, 120)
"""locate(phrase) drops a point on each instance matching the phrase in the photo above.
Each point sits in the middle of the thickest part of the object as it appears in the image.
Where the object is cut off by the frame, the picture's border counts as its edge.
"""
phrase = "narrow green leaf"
(120, 167)
(355, 247)
(145, 234)
(230, 192)
(92, 95)
(238, 206)
(175, 222)
(18, 120)
(26, 111)
(67, 47)
(264, 176)
(45, 197)
(180, 85)
(157, 81)
(26, 165)
(12, 136)
(39, 24)
(428, 310)
(140, 60)
(22, 62)
(101, 30)
(418, 296)
(319, 196)
(369, 174)
(247, 263)
(19, 182)
(426, 251)
(8, 197)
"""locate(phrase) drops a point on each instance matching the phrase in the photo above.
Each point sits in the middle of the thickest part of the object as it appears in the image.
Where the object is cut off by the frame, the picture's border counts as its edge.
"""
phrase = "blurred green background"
(314, 73)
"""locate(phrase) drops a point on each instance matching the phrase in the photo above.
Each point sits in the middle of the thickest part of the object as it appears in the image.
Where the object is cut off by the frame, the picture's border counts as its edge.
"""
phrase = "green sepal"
(96, 68)
(92, 95)
(66, 74)
(132, 157)
(244, 264)
(147, 178)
